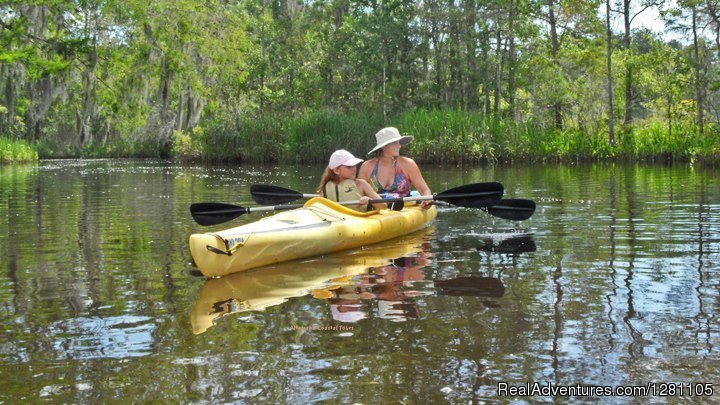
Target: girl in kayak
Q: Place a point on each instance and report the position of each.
(338, 183)
(390, 174)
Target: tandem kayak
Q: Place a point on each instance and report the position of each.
(321, 226)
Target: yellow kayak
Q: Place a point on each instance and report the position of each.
(265, 287)
(319, 227)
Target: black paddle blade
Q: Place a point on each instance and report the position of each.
(476, 195)
(211, 213)
(396, 206)
(266, 194)
(514, 209)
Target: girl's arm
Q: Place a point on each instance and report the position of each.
(367, 191)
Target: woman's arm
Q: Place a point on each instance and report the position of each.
(366, 170)
(412, 170)
(367, 191)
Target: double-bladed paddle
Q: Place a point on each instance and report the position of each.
(485, 196)
(213, 213)
(478, 195)
(474, 195)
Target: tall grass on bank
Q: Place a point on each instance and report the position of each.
(441, 136)
(15, 151)
(460, 137)
(454, 136)
(297, 139)
(141, 148)
(654, 140)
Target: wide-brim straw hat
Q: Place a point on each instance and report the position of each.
(388, 135)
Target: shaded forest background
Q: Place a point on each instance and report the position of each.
(259, 80)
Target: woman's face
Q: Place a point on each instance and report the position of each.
(392, 149)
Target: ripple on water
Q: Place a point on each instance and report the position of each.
(113, 337)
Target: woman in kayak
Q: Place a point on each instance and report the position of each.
(390, 174)
(339, 184)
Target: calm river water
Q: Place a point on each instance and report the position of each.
(614, 281)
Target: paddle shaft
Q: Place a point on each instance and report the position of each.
(268, 208)
(217, 213)
(478, 195)
(381, 200)
(470, 195)
(419, 198)
(246, 210)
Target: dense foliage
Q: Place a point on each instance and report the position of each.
(262, 79)
(13, 150)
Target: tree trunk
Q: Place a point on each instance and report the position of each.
(438, 65)
(717, 36)
(557, 107)
(669, 114)
(180, 118)
(164, 89)
(511, 61)
(189, 110)
(611, 121)
(407, 70)
(471, 82)
(195, 107)
(262, 60)
(453, 59)
(11, 80)
(486, 74)
(89, 91)
(166, 124)
(628, 68)
(43, 93)
(384, 106)
(498, 73)
(44, 90)
(699, 91)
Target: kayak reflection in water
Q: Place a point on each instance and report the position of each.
(388, 285)
(350, 283)
(259, 289)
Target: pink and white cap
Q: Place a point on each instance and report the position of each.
(342, 158)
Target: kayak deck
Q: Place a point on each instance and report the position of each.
(320, 226)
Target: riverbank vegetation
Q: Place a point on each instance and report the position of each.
(15, 151)
(264, 80)
(441, 136)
